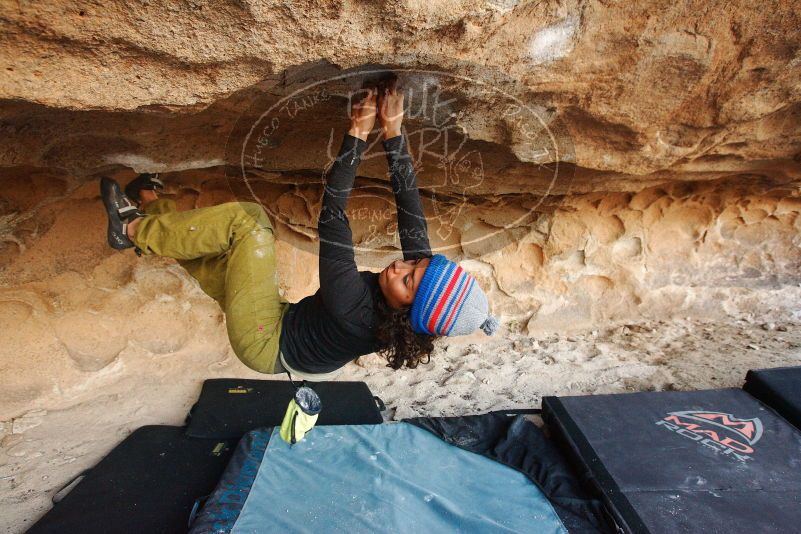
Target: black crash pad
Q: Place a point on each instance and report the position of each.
(148, 484)
(779, 388)
(703, 461)
(229, 407)
(510, 438)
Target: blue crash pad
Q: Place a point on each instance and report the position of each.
(392, 478)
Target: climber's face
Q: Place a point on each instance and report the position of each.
(400, 279)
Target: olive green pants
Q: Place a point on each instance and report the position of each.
(229, 250)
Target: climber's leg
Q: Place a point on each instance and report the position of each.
(239, 232)
(159, 206)
(253, 307)
(186, 235)
(209, 271)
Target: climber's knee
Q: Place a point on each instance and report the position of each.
(255, 212)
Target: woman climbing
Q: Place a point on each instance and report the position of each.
(229, 249)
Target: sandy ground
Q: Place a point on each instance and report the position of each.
(466, 375)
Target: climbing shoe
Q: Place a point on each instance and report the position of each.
(120, 211)
(143, 181)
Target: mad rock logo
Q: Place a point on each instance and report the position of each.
(722, 432)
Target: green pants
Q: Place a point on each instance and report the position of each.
(229, 250)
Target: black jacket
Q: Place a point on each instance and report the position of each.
(326, 330)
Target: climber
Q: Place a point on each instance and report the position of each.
(228, 248)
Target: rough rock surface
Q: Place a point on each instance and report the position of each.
(615, 164)
(689, 85)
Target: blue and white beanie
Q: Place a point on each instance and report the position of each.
(449, 302)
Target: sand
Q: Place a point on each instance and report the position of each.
(467, 375)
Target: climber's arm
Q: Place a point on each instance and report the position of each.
(412, 227)
(341, 287)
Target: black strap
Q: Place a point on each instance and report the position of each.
(195, 508)
(381, 406)
(292, 430)
(294, 385)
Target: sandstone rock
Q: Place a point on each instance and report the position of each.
(160, 325)
(593, 164)
(588, 163)
(30, 420)
(90, 343)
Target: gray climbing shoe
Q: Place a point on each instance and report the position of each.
(143, 181)
(120, 211)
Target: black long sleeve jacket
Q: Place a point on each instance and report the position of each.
(326, 330)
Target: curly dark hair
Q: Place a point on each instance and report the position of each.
(400, 345)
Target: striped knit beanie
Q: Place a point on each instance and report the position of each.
(449, 302)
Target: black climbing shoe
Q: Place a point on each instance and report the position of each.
(143, 181)
(120, 211)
